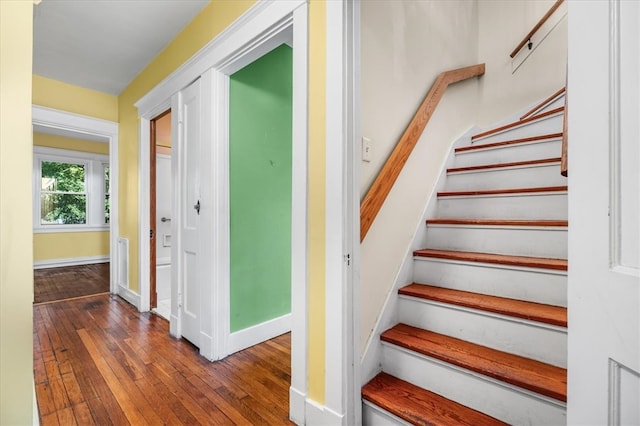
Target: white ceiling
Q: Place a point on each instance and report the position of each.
(104, 44)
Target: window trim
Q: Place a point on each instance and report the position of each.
(94, 187)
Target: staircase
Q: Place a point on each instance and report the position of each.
(482, 335)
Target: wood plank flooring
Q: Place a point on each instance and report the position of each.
(52, 284)
(97, 361)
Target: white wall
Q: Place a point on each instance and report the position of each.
(405, 45)
(502, 24)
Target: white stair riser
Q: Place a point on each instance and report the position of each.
(533, 285)
(550, 206)
(525, 151)
(543, 343)
(555, 103)
(520, 241)
(372, 415)
(521, 177)
(485, 395)
(551, 124)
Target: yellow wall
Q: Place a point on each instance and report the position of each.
(64, 245)
(61, 142)
(16, 256)
(67, 97)
(317, 175)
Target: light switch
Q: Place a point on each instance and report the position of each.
(367, 149)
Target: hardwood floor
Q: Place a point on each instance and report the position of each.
(99, 361)
(68, 282)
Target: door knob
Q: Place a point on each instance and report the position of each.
(197, 207)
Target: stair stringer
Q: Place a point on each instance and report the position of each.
(371, 360)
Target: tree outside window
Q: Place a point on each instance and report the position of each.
(63, 193)
(107, 193)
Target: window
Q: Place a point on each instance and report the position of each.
(71, 191)
(63, 194)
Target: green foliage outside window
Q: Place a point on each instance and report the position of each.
(107, 202)
(63, 193)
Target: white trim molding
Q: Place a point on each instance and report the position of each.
(70, 261)
(259, 333)
(342, 360)
(89, 128)
(129, 295)
(299, 217)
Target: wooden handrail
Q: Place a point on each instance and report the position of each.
(564, 159)
(382, 185)
(536, 27)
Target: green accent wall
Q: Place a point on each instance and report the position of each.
(260, 189)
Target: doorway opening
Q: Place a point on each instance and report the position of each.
(160, 208)
(260, 173)
(75, 209)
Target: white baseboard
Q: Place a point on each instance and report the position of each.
(316, 414)
(130, 296)
(297, 401)
(207, 346)
(36, 413)
(259, 333)
(174, 326)
(71, 261)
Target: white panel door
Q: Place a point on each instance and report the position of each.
(604, 213)
(190, 280)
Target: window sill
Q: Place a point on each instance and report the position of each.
(58, 229)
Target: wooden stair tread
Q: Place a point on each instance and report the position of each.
(504, 191)
(517, 123)
(419, 406)
(544, 103)
(498, 222)
(504, 165)
(548, 314)
(508, 142)
(502, 259)
(526, 373)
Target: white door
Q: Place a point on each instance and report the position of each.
(189, 204)
(604, 213)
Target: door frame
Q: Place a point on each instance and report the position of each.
(342, 348)
(64, 122)
(263, 27)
